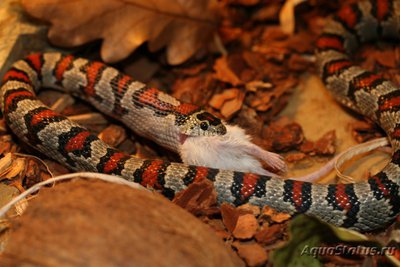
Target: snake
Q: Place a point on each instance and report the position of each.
(363, 206)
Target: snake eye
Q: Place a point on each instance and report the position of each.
(204, 126)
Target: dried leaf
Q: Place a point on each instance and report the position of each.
(284, 137)
(182, 26)
(273, 216)
(363, 131)
(286, 16)
(252, 253)
(5, 163)
(326, 144)
(230, 216)
(36, 172)
(280, 217)
(252, 208)
(21, 206)
(204, 84)
(270, 234)
(199, 198)
(228, 102)
(246, 226)
(253, 86)
(232, 106)
(294, 157)
(218, 100)
(224, 73)
(307, 147)
(17, 167)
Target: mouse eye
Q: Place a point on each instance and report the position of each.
(204, 126)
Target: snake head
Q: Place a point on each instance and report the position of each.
(202, 123)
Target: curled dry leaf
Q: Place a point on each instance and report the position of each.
(228, 102)
(182, 26)
(224, 73)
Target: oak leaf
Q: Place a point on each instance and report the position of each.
(183, 26)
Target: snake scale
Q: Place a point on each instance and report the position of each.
(151, 113)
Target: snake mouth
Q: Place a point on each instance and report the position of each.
(182, 138)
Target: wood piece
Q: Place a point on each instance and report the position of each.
(93, 223)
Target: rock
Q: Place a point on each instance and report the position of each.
(93, 223)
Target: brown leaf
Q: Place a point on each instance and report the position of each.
(307, 147)
(246, 226)
(228, 102)
(36, 172)
(232, 106)
(230, 216)
(252, 253)
(182, 26)
(224, 73)
(199, 198)
(287, 16)
(363, 131)
(273, 216)
(284, 137)
(326, 144)
(252, 208)
(218, 100)
(280, 217)
(270, 234)
(294, 157)
(183, 89)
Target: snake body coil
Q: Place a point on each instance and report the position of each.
(363, 206)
